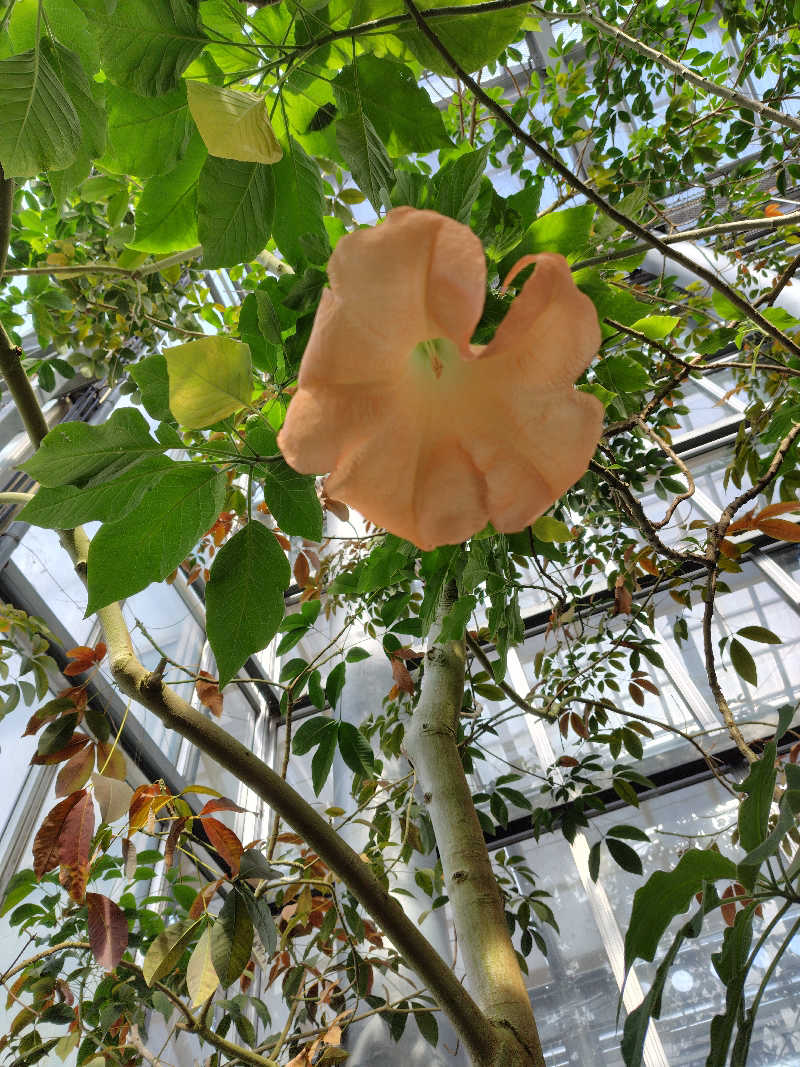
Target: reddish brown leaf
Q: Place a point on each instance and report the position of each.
(623, 599)
(175, 831)
(567, 761)
(209, 694)
(73, 847)
(45, 844)
(400, 673)
(779, 529)
(728, 909)
(301, 570)
(218, 804)
(108, 930)
(339, 509)
(225, 842)
(75, 745)
(81, 652)
(141, 806)
(784, 507)
(578, 725)
(75, 772)
(744, 523)
(111, 760)
(636, 694)
(200, 902)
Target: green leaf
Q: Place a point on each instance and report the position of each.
(624, 856)
(565, 231)
(759, 787)
(622, 374)
(309, 733)
(65, 22)
(455, 622)
(594, 860)
(428, 1027)
(146, 45)
(261, 917)
(472, 40)
(787, 814)
(201, 977)
(236, 204)
(39, 126)
(168, 948)
(231, 939)
(731, 966)
(551, 530)
(322, 759)
(458, 182)
(355, 750)
(147, 135)
(244, 597)
(75, 453)
(156, 536)
(656, 327)
(633, 833)
(366, 158)
(666, 894)
(152, 378)
(166, 215)
(403, 114)
(635, 1031)
(334, 684)
(234, 124)
(355, 655)
(300, 203)
(67, 506)
(743, 662)
(20, 885)
(759, 633)
(91, 114)
(292, 499)
(209, 379)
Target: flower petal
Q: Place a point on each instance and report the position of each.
(417, 276)
(551, 327)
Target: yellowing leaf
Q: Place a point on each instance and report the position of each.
(233, 124)
(209, 379)
(113, 797)
(201, 978)
(167, 949)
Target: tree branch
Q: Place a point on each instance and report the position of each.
(475, 900)
(702, 232)
(509, 691)
(595, 198)
(151, 692)
(684, 72)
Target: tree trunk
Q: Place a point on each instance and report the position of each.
(493, 973)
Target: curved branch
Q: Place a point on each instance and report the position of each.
(595, 198)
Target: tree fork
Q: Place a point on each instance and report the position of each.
(475, 900)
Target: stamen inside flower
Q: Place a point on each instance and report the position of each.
(435, 355)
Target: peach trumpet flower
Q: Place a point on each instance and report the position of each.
(425, 434)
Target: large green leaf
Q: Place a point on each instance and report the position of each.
(166, 215)
(666, 894)
(403, 114)
(66, 506)
(66, 22)
(731, 966)
(366, 157)
(152, 377)
(82, 93)
(300, 203)
(458, 182)
(261, 917)
(154, 538)
(472, 40)
(291, 497)
(231, 939)
(39, 126)
(635, 1031)
(147, 44)
(209, 379)
(236, 203)
(168, 948)
(147, 135)
(75, 453)
(759, 787)
(244, 597)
